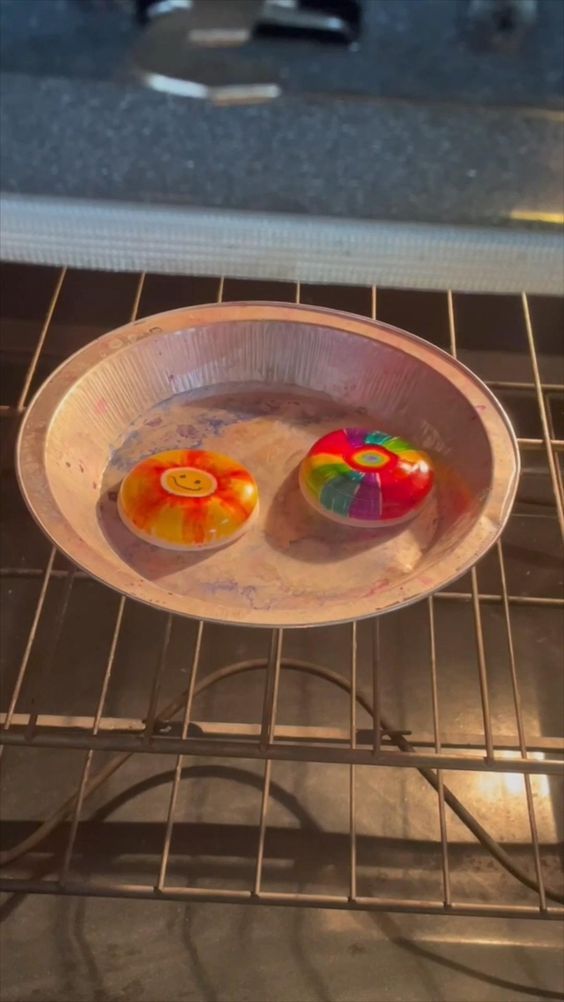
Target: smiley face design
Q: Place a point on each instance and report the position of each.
(187, 481)
(188, 499)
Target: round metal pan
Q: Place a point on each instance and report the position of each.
(261, 382)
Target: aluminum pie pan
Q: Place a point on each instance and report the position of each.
(261, 382)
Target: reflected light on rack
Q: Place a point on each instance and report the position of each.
(496, 785)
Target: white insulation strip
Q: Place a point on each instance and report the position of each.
(181, 240)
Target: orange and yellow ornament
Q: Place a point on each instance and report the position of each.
(188, 499)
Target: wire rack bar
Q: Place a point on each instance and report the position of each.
(47, 663)
(556, 484)
(23, 397)
(267, 736)
(90, 753)
(377, 735)
(271, 688)
(262, 826)
(157, 678)
(479, 633)
(179, 762)
(30, 640)
(299, 900)
(283, 733)
(509, 384)
(438, 749)
(521, 733)
(352, 773)
(292, 752)
(485, 597)
(559, 467)
(482, 669)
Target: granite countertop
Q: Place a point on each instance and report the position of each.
(337, 157)
(409, 127)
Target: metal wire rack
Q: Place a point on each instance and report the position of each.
(475, 664)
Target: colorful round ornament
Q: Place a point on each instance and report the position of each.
(188, 499)
(365, 478)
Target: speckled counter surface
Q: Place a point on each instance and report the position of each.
(411, 127)
(335, 157)
(411, 124)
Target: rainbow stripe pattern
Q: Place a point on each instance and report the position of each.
(188, 499)
(366, 478)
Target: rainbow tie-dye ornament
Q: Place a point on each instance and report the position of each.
(366, 478)
(188, 500)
